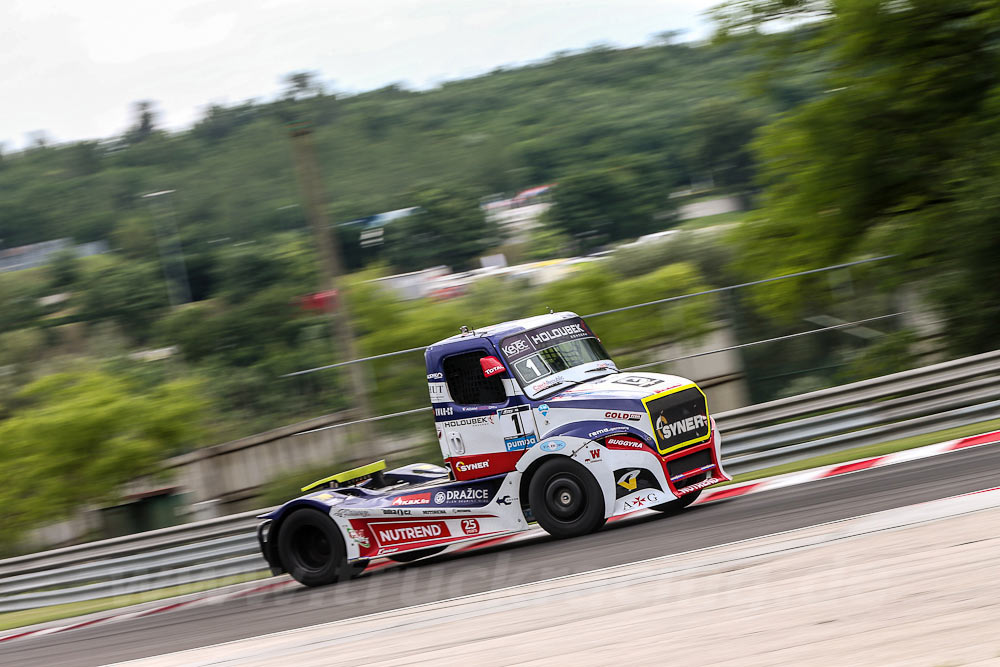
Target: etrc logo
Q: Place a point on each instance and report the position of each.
(552, 445)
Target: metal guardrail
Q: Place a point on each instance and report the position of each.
(913, 402)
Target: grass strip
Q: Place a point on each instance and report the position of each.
(17, 619)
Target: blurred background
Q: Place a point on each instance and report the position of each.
(162, 286)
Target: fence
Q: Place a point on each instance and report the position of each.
(755, 437)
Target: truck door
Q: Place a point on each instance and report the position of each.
(488, 429)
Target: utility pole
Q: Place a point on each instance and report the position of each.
(178, 288)
(307, 171)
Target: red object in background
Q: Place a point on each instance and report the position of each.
(324, 302)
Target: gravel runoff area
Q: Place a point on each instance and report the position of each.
(916, 585)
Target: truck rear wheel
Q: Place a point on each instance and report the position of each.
(312, 549)
(565, 498)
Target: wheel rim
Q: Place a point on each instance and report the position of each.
(311, 548)
(565, 497)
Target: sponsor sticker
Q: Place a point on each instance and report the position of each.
(478, 465)
(552, 445)
(520, 443)
(595, 455)
(630, 480)
(670, 429)
(700, 485)
(444, 412)
(413, 499)
(470, 526)
(411, 531)
(624, 416)
(643, 500)
(435, 376)
(462, 496)
(399, 512)
(624, 441)
(469, 421)
(544, 409)
(607, 429)
(514, 346)
(359, 537)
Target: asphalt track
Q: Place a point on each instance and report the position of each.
(446, 577)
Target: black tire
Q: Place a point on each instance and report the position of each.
(677, 504)
(312, 549)
(410, 556)
(565, 498)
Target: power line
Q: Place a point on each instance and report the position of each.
(616, 310)
(843, 325)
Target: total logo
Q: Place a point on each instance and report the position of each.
(626, 416)
(414, 499)
(670, 429)
(478, 465)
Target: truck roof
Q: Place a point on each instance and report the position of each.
(496, 332)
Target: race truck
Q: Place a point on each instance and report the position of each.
(536, 424)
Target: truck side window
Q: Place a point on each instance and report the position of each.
(466, 383)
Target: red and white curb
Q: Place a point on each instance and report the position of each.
(708, 496)
(837, 469)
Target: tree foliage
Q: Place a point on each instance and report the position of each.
(74, 437)
(899, 156)
(447, 228)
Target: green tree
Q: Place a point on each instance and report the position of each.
(598, 206)
(448, 228)
(132, 294)
(899, 156)
(76, 436)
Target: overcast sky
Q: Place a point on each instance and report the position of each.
(73, 68)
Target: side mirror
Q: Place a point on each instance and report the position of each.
(491, 366)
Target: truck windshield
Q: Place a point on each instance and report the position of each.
(547, 357)
(558, 358)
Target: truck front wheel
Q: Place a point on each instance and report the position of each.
(312, 549)
(565, 498)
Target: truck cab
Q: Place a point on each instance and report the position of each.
(501, 391)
